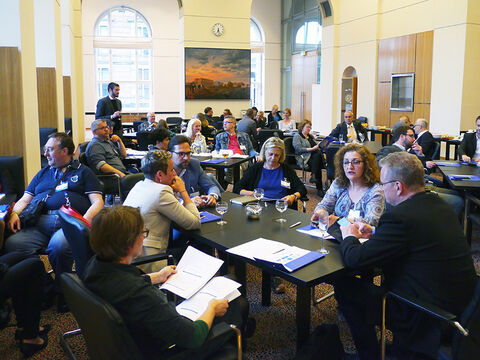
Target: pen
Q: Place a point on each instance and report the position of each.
(293, 225)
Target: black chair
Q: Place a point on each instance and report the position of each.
(44, 134)
(144, 139)
(471, 215)
(110, 181)
(12, 178)
(136, 124)
(465, 342)
(436, 152)
(330, 152)
(273, 125)
(219, 125)
(128, 182)
(291, 160)
(83, 146)
(265, 134)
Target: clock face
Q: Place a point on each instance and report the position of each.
(218, 29)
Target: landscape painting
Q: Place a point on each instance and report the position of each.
(217, 73)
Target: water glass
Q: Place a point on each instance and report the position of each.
(323, 225)
(258, 194)
(281, 206)
(221, 208)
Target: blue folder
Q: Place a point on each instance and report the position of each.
(212, 161)
(206, 217)
(464, 177)
(297, 263)
(446, 163)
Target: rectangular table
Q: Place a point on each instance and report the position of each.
(221, 166)
(460, 170)
(239, 229)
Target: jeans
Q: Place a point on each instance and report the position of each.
(48, 235)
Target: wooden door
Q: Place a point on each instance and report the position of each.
(304, 74)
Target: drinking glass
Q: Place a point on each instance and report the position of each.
(323, 225)
(222, 208)
(258, 194)
(281, 206)
(225, 156)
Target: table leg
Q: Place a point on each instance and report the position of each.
(303, 314)
(384, 139)
(236, 174)
(266, 288)
(456, 153)
(447, 151)
(240, 274)
(221, 177)
(372, 135)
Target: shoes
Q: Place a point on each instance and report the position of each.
(29, 350)
(62, 306)
(278, 287)
(313, 179)
(19, 333)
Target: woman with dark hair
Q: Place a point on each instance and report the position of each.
(308, 154)
(356, 188)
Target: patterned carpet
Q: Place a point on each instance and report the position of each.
(274, 338)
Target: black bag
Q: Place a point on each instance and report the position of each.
(323, 344)
(31, 214)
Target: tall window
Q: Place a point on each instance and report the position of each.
(123, 54)
(257, 45)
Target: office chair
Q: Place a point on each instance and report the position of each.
(290, 159)
(144, 139)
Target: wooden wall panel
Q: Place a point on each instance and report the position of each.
(67, 96)
(385, 59)
(383, 104)
(11, 103)
(421, 111)
(47, 97)
(404, 54)
(423, 67)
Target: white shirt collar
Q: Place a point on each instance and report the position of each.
(400, 146)
(423, 132)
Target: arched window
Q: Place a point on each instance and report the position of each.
(308, 36)
(123, 54)
(257, 45)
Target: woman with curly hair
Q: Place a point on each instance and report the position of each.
(356, 191)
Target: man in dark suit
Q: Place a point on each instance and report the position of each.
(424, 138)
(420, 246)
(110, 108)
(469, 148)
(350, 130)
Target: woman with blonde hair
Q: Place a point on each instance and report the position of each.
(287, 124)
(274, 115)
(194, 134)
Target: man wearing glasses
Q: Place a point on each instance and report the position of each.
(424, 138)
(79, 188)
(349, 130)
(202, 188)
(420, 246)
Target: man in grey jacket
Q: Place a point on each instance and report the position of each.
(249, 126)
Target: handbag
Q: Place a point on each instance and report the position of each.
(37, 207)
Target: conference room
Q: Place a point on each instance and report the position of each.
(272, 114)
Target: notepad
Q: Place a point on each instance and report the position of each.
(212, 161)
(464, 177)
(243, 200)
(206, 217)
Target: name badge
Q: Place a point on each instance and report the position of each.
(285, 184)
(243, 147)
(354, 214)
(62, 186)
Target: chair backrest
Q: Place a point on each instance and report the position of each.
(273, 125)
(14, 165)
(144, 139)
(290, 152)
(330, 152)
(265, 134)
(175, 120)
(78, 236)
(104, 331)
(83, 146)
(83, 158)
(436, 152)
(468, 347)
(128, 182)
(219, 125)
(44, 133)
(136, 124)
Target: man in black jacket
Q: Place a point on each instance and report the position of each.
(110, 108)
(350, 130)
(469, 149)
(420, 246)
(424, 138)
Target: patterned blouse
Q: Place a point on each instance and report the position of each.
(371, 205)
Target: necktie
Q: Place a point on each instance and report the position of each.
(351, 133)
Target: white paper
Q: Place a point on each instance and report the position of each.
(132, 152)
(239, 156)
(283, 256)
(202, 154)
(218, 288)
(256, 248)
(193, 272)
(316, 233)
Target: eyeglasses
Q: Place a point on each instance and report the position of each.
(102, 128)
(145, 233)
(411, 135)
(354, 162)
(183, 154)
(48, 149)
(388, 182)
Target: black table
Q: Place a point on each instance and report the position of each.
(221, 166)
(462, 170)
(239, 230)
(386, 135)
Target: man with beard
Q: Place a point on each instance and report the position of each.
(109, 108)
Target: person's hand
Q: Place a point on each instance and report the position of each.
(365, 230)
(13, 223)
(466, 158)
(219, 306)
(116, 114)
(178, 185)
(320, 213)
(209, 200)
(198, 201)
(331, 219)
(417, 149)
(257, 158)
(166, 272)
(154, 124)
(350, 230)
(289, 199)
(115, 138)
(430, 164)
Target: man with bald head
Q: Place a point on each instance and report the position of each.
(350, 130)
(150, 124)
(424, 139)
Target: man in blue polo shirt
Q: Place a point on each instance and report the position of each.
(79, 187)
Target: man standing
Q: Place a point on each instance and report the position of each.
(249, 126)
(208, 111)
(349, 130)
(110, 108)
(78, 186)
(424, 138)
(469, 148)
(201, 187)
(150, 124)
(420, 246)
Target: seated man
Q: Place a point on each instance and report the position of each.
(208, 111)
(201, 187)
(424, 138)
(402, 120)
(148, 125)
(161, 138)
(469, 148)
(349, 130)
(79, 188)
(238, 142)
(155, 199)
(420, 246)
(249, 126)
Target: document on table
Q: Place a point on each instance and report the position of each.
(193, 272)
(314, 231)
(218, 288)
(2, 196)
(256, 247)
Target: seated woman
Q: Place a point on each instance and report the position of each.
(260, 119)
(356, 192)
(21, 278)
(162, 124)
(274, 115)
(193, 132)
(287, 124)
(117, 237)
(276, 178)
(208, 131)
(309, 155)
(161, 138)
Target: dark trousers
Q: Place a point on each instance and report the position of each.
(23, 283)
(317, 163)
